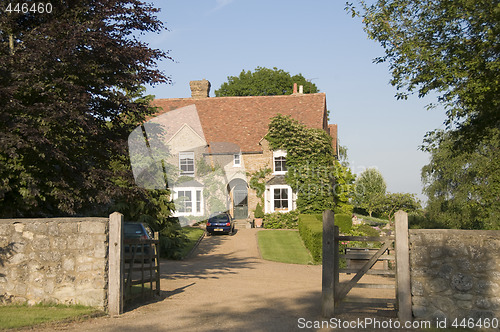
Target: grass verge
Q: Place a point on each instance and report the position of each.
(283, 246)
(193, 235)
(16, 316)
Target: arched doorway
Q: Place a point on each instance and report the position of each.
(238, 192)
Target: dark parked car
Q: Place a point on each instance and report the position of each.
(137, 231)
(220, 222)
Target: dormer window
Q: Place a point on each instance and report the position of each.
(186, 163)
(279, 162)
(237, 160)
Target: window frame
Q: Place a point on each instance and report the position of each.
(271, 198)
(190, 201)
(187, 155)
(282, 155)
(237, 157)
(196, 202)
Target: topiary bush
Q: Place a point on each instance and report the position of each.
(258, 213)
(279, 220)
(311, 232)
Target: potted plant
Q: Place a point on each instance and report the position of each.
(258, 215)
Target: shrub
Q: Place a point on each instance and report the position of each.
(416, 221)
(259, 213)
(172, 241)
(367, 230)
(343, 209)
(344, 221)
(361, 230)
(278, 220)
(311, 232)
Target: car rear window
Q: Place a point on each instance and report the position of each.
(133, 230)
(219, 218)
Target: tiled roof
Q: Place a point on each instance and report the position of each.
(278, 179)
(244, 120)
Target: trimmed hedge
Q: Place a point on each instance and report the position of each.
(344, 221)
(311, 232)
(279, 220)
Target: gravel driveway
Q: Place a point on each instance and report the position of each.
(226, 286)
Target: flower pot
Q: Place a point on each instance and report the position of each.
(258, 222)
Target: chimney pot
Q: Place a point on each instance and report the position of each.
(200, 89)
(301, 89)
(294, 88)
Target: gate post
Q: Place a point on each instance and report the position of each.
(328, 278)
(116, 267)
(403, 295)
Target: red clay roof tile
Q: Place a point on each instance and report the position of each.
(245, 120)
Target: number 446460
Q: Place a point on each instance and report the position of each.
(471, 323)
(37, 8)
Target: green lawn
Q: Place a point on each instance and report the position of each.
(193, 235)
(16, 316)
(283, 246)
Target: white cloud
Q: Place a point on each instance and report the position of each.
(219, 4)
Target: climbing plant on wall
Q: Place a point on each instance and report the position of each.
(257, 181)
(312, 168)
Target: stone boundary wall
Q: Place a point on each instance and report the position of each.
(61, 260)
(455, 274)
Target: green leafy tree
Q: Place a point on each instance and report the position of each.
(68, 100)
(394, 202)
(369, 192)
(263, 82)
(344, 188)
(451, 48)
(463, 187)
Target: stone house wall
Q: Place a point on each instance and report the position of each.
(455, 274)
(61, 260)
(254, 162)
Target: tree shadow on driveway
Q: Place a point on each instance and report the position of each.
(208, 261)
(254, 314)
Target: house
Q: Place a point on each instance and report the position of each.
(229, 132)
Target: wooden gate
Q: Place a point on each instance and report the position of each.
(142, 268)
(366, 259)
(134, 266)
(334, 291)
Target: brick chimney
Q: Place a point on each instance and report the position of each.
(199, 89)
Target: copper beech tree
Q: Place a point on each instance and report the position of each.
(70, 93)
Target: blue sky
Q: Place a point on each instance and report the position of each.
(214, 39)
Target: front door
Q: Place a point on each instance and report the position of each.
(240, 203)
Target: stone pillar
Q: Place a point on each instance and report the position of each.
(116, 264)
(403, 292)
